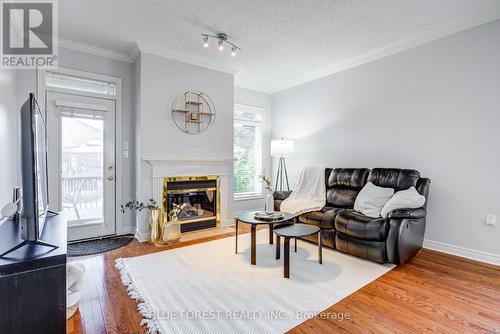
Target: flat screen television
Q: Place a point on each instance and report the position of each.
(34, 169)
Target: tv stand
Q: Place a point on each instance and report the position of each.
(33, 279)
(27, 242)
(51, 213)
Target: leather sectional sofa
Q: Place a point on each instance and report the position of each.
(394, 239)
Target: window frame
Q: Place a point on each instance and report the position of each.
(243, 196)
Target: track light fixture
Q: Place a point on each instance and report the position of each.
(221, 39)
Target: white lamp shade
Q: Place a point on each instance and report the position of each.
(282, 147)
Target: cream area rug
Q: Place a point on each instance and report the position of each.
(207, 288)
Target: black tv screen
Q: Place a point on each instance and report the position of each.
(34, 169)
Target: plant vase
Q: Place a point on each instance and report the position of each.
(269, 205)
(171, 231)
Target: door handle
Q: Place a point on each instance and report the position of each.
(110, 178)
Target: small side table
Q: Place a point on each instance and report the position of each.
(249, 218)
(296, 231)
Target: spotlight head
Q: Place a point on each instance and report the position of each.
(205, 41)
(233, 51)
(221, 47)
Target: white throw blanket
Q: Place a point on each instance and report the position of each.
(310, 193)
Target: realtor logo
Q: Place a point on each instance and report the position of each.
(29, 33)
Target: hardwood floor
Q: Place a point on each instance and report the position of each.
(434, 292)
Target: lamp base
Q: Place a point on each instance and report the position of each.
(281, 176)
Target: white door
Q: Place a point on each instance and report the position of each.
(82, 162)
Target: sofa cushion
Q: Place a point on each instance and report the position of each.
(343, 186)
(371, 199)
(398, 179)
(404, 199)
(357, 225)
(324, 218)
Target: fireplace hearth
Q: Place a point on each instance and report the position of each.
(201, 197)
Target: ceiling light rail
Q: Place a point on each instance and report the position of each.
(222, 38)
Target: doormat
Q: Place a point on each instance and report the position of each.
(91, 247)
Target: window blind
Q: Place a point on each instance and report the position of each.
(247, 150)
(80, 84)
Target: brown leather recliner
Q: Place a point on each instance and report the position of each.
(395, 239)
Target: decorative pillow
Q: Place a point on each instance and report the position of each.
(404, 199)
(371, 199)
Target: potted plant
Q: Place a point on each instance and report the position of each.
(154, 218)
(269, 203)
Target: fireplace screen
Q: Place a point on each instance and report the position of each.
(200, 195)
(199, 203)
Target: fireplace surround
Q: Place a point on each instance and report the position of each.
(154, 169)
(201, 196)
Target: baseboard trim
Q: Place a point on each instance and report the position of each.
(141, 237)
(126, 230)
(463, 252)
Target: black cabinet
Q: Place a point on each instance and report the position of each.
(33, 281)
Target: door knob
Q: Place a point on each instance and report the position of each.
(110, 178)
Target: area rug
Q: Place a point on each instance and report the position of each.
(207, 288)
(91, 247)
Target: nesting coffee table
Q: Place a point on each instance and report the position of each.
(296, 231)
(249, 218)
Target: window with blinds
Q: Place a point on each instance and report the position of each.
(247, 150)
(72, 82)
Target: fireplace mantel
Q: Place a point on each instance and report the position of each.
(162, 167)
(188, 159)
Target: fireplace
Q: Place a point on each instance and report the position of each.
(202, 197)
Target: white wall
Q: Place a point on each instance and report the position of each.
(262, 100)
(161, 81)
(434, 108)
(26, 83)
(9, 136)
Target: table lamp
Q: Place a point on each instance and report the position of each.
(281, 148)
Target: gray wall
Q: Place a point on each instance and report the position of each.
(26, 82)
(161, 81)
(14, 88)
(434, 108)
(253, 98)
(9, 136)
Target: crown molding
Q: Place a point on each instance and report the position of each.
(388, 51)
(164, 52)
(94, 50)
(135, 53)
(253, 89)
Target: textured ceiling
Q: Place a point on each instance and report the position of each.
(282, 41)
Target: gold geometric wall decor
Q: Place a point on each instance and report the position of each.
(193, 112)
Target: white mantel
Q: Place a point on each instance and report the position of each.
(154, 169)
